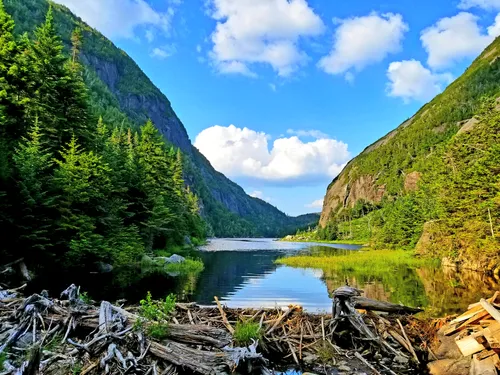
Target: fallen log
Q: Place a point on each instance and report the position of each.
(364, 303)
(198, 361)
(199, 335)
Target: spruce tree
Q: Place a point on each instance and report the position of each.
(60, 101)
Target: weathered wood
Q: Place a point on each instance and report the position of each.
(374, 305)
(495, 314)
(478, 304)
(197, 361)
(469, 345)
(199, 335)
(223, 315)
(492, 335)
(466, 324)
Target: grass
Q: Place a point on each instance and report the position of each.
(370, 262)
(244, 332)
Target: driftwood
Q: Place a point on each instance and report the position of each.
(106, 339)
(374, 305)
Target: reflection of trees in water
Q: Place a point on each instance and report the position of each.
(225, 271)
(403, 285)
(451, 291)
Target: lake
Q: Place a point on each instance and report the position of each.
(243, 273)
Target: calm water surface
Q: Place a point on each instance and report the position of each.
(243, 273)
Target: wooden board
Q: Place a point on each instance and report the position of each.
(490, 300)
(464, 325)
(492, 335)
(468, 345)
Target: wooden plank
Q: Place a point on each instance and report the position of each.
(466, 324)
(492, 335)
(468, 345)
(495, 314)
(490, 300)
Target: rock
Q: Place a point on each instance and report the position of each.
(344, 368)
(450, 366)
(446, 347)
(146, 259)
(187, 241)
(176, 259)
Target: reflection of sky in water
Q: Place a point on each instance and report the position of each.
(285, 286)
(245, 244)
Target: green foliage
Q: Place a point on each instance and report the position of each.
(155, 315)
(189, 266)
(76, 189)
(454, 209)
(245, 332)
(85, 298)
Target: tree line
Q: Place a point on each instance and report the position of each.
(75, 190)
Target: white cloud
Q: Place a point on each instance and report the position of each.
(259, 194)
(272, 86)
(235, 67)
(484, 4)
(307, 133)
(119, 18)
(242, 152)
(198, 48)
(410, 80)
(163, 52)
(316, 204)
(494, 30)
(261, 31)
(361, 41)
(454, 38)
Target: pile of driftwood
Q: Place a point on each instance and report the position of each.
(477, 333)
(39, 335)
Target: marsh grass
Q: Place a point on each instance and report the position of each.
(370, 262)
(244, 332)
(189, 266)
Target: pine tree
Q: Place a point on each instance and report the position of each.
(60, 102)
(33, 164)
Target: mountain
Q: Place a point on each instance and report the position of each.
(432, 183)
(120, 90)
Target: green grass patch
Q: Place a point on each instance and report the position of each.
(370, 262)
(244, 332)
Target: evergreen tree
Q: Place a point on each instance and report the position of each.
(60, 101)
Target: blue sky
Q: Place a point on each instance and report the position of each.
(280, 94)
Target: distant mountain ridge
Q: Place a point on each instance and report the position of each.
(119, 89)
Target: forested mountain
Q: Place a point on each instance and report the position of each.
(121, 93)
(434, 182)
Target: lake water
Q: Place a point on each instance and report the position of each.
(243, 273)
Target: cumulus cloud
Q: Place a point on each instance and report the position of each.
(261, 31)
(410, 80)
(361, 41)
(315, 204)
(484, 4)
(454, 38)
(242, 152)
(120, 18)
(163, 52)
(307, 133)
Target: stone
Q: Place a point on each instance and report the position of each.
(344, 368)
(176, 259)
(310, 358)
(187, 241)
(450, 366)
